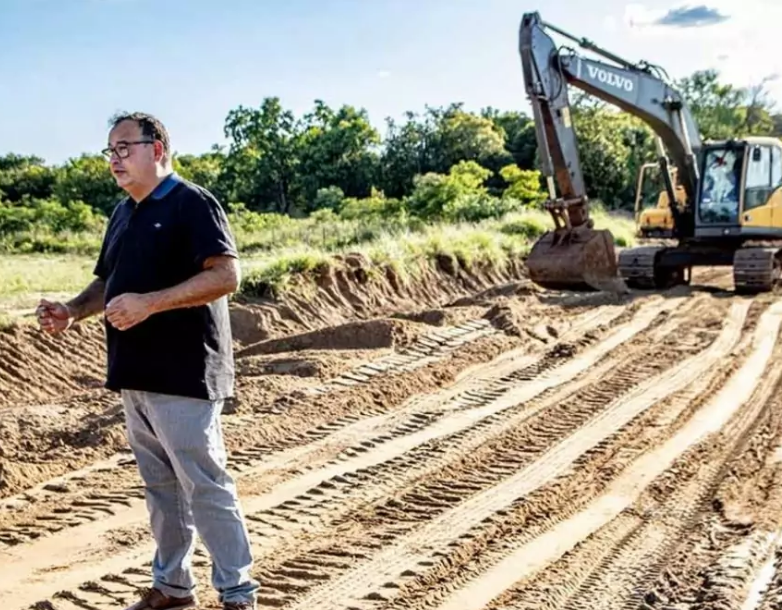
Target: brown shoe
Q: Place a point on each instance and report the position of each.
(154, 599)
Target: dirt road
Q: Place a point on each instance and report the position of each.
(516, 449)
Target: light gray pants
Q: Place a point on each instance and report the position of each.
(181, 457)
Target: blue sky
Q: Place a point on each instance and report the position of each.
(67, 65)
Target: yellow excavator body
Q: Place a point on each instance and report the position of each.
(656, 220)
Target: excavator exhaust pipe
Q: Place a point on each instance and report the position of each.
(577, 259)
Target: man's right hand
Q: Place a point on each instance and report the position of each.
(55, 317)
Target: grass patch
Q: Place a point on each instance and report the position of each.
(24, 278)
(621, 227)
(270, 276)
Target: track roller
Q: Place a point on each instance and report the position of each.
(756, 270)
(639, 267)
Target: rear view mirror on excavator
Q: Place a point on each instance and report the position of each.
(573, 255)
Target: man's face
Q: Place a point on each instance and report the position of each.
(139, 166)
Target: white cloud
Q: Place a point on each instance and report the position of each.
(692, 16)
(743, 47)
(383, 74)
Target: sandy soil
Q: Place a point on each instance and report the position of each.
(482, 445)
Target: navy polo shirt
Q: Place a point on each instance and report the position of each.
(156, 244)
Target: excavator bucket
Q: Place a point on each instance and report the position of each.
(575, 259)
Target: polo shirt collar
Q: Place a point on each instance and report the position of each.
(164, 188)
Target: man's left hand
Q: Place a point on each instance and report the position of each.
(127, 310)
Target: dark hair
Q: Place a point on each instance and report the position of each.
(151, 127)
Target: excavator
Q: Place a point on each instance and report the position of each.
(653, 216)
(730, 191)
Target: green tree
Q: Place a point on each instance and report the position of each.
(523, 185)
(758, 119)
(263, 160)
(88, 179)
(337, 148)
(465, 136)
(329, 198)
(612, 146)
(409, 150)
(725, 111)
(25, 176)
(433, 192)
(519, 132)
(206, 169)
(435, 142)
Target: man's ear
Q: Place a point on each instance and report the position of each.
(159, 152)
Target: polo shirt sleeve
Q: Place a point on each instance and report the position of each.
(101, 269)
(208, 228)
(100, 265)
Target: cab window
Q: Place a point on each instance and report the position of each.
(776, 167)
(759, 177)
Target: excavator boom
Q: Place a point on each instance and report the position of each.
(574, 255)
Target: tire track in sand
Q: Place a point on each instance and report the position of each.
(710, 419)
(417, 546)
(725, 558)
(468, 426)
(534, 514)
(36, 558)
(62, 502)
(633, 549)
(766, 590)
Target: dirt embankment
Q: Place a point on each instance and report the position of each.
(55, 416)
(355, 289)
(36, 368)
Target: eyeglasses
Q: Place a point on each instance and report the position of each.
(123, 149)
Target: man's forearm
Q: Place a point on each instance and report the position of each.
(89, 302)
(207, 286)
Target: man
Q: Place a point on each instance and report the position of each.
(167, 263)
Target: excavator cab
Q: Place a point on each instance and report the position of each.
(653, 214)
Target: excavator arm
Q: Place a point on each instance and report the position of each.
(574, 255)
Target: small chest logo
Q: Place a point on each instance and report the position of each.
(157, 225)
